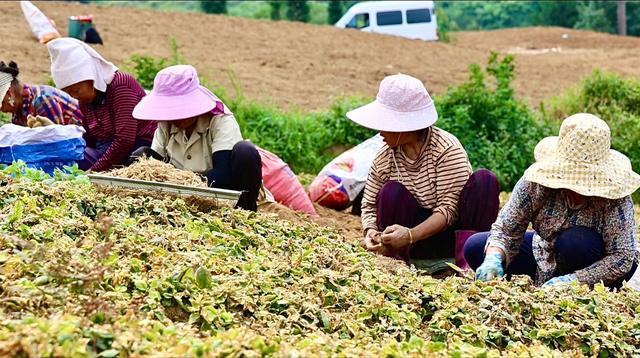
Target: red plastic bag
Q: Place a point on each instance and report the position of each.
(283, 183)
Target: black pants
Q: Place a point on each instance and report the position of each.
(246, 174)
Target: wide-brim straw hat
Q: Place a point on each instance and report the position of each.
(402, 105)
(581, 159)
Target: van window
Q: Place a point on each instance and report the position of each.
(359, 21)
(418, 16)
(387, 18)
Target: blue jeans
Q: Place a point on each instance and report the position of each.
(575, 248)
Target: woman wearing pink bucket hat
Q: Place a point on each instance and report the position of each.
(577, 197)
(197, 132)
(421, 200)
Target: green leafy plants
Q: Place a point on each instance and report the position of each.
(168, 280)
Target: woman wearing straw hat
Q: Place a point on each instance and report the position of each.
(420, 196)
(107, 97)
(577, 196)
(32, 105)
(197, 132)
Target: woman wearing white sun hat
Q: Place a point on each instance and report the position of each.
(421, 199)
(578, 197)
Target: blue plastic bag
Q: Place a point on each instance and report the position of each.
(45, 156)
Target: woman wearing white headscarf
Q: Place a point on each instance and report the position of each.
(107, 98)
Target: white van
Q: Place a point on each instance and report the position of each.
(412, 19)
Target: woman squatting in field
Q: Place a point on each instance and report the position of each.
(577, 196)
(197, 132)
(421, 199)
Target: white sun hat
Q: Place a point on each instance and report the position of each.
(73, 61)
(402, 105)
(5, 84)
(581, 159)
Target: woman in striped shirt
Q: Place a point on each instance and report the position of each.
(23, 100)
(421, 196)
(107, 97)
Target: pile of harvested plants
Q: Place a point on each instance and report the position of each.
(154, 170)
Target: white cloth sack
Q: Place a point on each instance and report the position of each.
(11, 134)
(349, 171)
(42, 28)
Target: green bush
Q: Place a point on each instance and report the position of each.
(144, 68)
(614, 99)
(306, 141)
(444, 25)
(498, 131)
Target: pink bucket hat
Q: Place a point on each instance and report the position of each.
(177, 94)
(402, 105)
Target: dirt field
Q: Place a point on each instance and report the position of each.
(304, 66)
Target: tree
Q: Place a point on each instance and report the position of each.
(593, 17)
(276, 10)
(335, 11)
(214, 6)
(622, 18)
(298, 10)
(558, 13)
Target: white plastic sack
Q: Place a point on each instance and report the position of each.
(340, 181)
(41, 26)
(11, 134)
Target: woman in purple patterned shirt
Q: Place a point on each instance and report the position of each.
(577, 197)
(107, 97)
(22, 100)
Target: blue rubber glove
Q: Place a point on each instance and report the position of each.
(491, 267)
(560, 280)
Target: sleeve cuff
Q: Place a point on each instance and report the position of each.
(449, 218)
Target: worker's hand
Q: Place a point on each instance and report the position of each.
(38, 121)
(560, 280)
(396, 236)
(491, 267)
(372, 241)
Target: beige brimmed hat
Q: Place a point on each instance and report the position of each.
(581, 159)
(402, 105)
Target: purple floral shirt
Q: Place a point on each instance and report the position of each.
(549, 215)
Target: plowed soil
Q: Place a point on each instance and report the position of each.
(294, 65)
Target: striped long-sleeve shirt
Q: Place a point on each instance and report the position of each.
(435, 178)
(110, 119)
(48, 102)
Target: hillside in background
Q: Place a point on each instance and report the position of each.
(306, 66)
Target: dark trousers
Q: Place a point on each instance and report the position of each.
(477, 210)
(575, 248)
(93, 154)
(246, 174)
